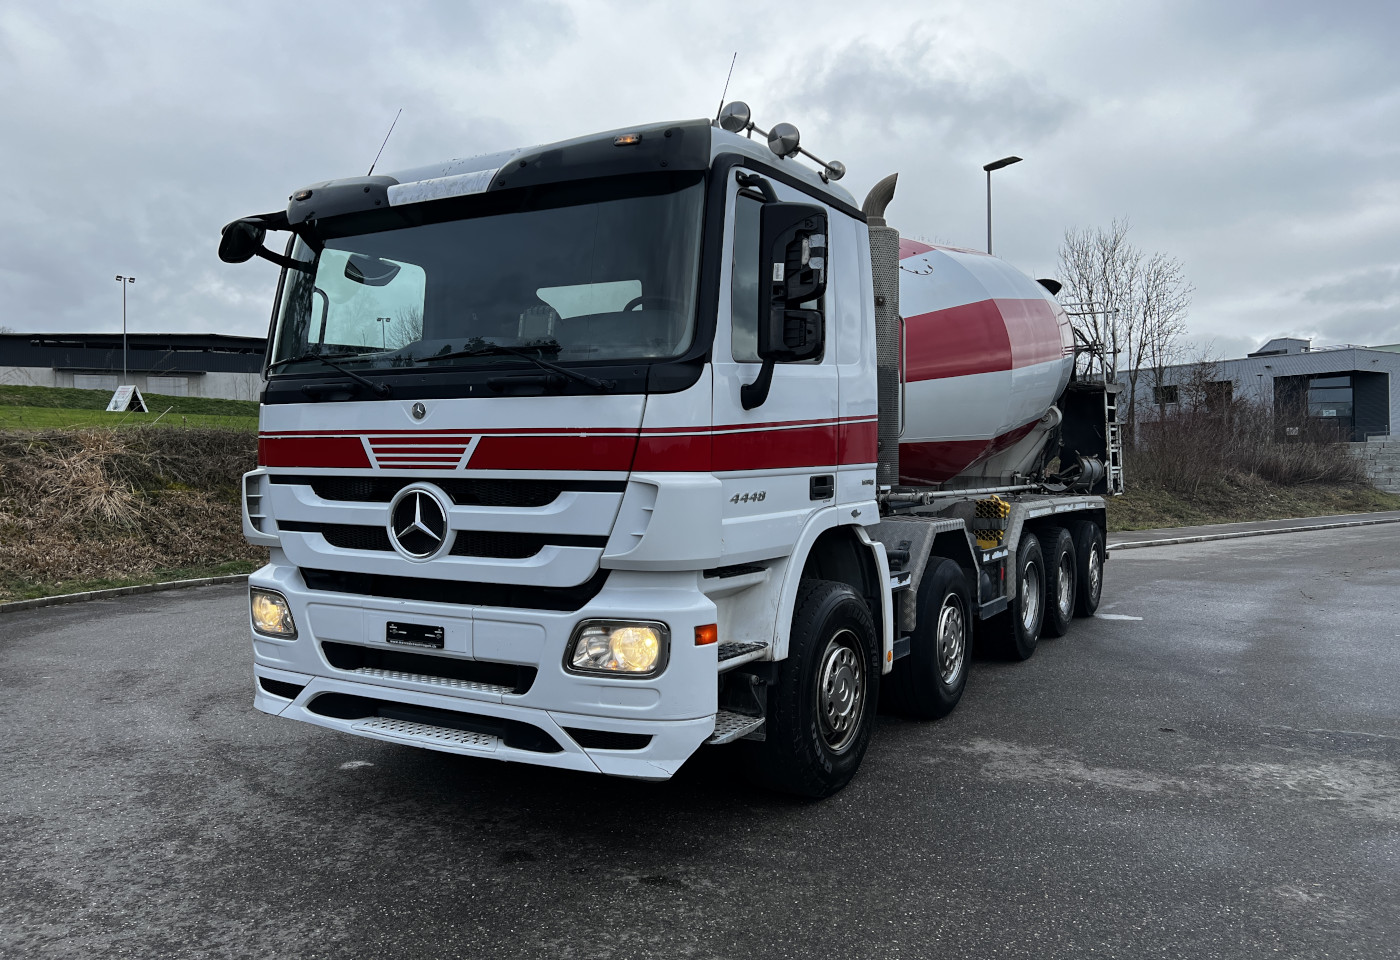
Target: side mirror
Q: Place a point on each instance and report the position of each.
(241, 241)
(792, 272)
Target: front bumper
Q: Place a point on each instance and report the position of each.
(675, 709)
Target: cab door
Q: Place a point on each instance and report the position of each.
(778, 461)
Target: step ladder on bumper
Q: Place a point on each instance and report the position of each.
(731, 726)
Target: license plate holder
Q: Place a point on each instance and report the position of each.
(414, 634)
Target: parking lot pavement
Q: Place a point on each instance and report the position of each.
(1212, 769)
(1249, 528)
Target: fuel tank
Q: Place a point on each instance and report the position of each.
(987, 350)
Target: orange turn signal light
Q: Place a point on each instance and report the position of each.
(707, 634)
(627, 140)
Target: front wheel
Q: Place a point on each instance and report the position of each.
(821, 711)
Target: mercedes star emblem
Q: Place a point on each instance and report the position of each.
(419, 411)
(418, 524)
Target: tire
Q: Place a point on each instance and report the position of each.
(929, 682)
(1089, 559)
(815, 736)
(1061, 581)
(1017, 631)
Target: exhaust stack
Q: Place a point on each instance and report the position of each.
(884, 271)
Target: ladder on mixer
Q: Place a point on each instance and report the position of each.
(1114, 436)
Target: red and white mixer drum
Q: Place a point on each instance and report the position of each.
(987, 352)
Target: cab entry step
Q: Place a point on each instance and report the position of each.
(735, 653)
(731, 726)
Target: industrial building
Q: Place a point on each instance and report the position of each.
(175, 364)
(1351, 390)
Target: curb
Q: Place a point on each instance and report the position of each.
(14, 606)
(1237, 534)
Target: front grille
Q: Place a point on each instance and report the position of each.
(468, 543)
(346, 536)
(485, 493)
(466, 592)
(516, 546)
(608, 739)
(514, 678)
(514, 733)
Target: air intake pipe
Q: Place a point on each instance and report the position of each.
(884, 273)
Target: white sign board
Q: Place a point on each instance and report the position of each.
(127, 398)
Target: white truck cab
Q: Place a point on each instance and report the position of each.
(572, 456)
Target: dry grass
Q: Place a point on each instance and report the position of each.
(102, 504)
(1197, 467)
(1187, 450)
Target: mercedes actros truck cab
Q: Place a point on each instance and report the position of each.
(589, 454)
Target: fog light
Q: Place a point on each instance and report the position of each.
(619, 647)
(271, 615)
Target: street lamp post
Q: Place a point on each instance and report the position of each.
(124, 281)
(383, 331)
(994, 165)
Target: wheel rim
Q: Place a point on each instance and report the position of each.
(1095, 572)
(1066, 586)
(840, 691)
(1030, 597)
(952, 640)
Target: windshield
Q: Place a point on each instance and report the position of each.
(580, 272)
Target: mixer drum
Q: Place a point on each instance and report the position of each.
(987, 352)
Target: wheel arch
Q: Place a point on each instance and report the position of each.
(842, 552)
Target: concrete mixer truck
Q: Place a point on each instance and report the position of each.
(589, 454)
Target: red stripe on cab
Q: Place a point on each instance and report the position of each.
(311, 452)
(857, 442)
(554, 453)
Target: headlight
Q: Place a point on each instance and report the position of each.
(619, 648)
(271, 615)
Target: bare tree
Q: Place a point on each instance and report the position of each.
(407, 328)
(1163, 297)
(1099, 271)
(1134, 305)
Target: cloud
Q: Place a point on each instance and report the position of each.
(1377, 285)
(1258, 142)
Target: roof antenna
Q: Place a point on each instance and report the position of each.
(726, 85)
(386, 140)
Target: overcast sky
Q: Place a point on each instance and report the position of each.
(1257, 142)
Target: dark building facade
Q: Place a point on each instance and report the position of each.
(178, 364)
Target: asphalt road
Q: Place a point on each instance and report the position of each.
(1219, 778)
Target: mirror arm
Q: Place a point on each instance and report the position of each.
(753, 180)
(753, 394)
(282, 260)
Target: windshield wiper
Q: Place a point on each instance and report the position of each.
(379, 389)
(497, 349)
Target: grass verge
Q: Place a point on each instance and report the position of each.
(57, 418)
(1240, 500)
(14, 395)
(23, 590)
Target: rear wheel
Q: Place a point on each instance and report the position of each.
(1061, 574)
(1089, 557)
(821, 711)
(929, 682)
(1018, 629)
